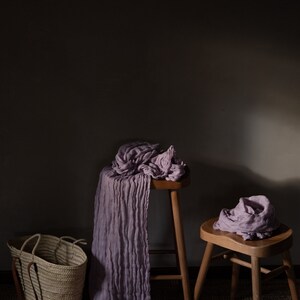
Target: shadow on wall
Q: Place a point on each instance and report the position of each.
(216, 186)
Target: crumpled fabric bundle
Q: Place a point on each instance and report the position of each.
(120, 267)
(252, 218)
(146, 158)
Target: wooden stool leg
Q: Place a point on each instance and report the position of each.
(180, 243)
(290, 274)
(234, 279)
(256, 280)
(203, 270)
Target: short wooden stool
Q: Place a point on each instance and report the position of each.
(173, 188)
(279, 243)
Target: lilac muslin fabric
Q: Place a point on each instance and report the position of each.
(252, 218)
(120, 258)
(146, 158)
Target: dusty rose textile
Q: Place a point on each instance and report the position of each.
(120, 260)
(252, 218)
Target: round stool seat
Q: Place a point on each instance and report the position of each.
(276, 244)
(162, 184)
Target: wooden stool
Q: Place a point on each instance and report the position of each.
(173, 188)
(280, 243)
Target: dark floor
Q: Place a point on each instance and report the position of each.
(220, 289)
(214, 289)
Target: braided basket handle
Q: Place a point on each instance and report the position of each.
(16, 276)
(38, 236)
(75, 241)
(30, 278)
(20, 294)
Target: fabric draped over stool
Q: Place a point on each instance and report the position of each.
(120, 267)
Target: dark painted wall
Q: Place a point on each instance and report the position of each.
(79, 78)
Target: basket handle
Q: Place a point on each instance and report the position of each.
(29, 274)
(38, 236)
(16, 278)
(75, 241)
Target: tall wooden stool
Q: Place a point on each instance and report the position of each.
(279, 243)
(173, 188)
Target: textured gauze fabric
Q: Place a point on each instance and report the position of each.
(120, 267)
(252, 218)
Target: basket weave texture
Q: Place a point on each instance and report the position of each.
(49, 267)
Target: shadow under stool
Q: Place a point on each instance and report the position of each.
(278, 244)
(173, 187)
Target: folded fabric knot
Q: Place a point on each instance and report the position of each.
(252, 218)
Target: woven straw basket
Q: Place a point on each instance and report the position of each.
(48, 267)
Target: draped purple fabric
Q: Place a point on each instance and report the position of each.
(120, 258)
(146, 158)
(252, 218)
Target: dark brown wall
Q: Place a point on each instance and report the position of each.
(79, 78)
